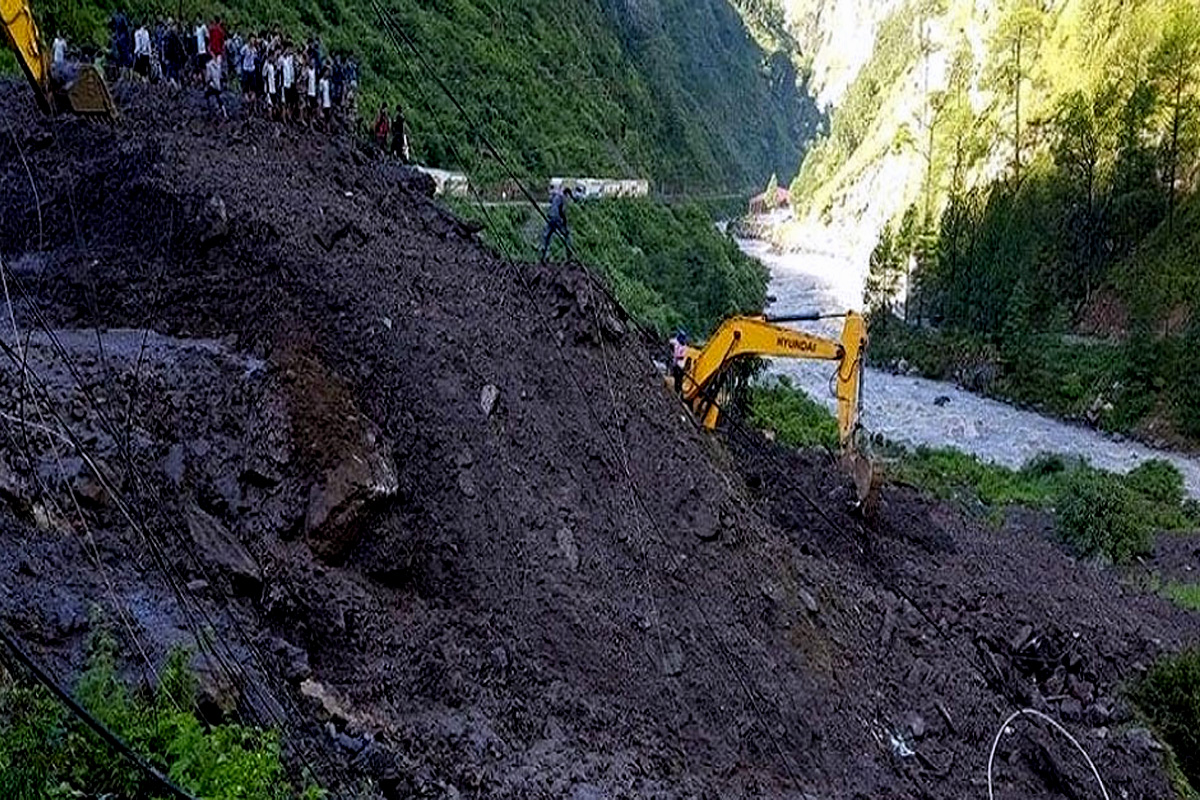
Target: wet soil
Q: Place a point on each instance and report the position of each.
(454, 528)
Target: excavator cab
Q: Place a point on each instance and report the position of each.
(73, 88)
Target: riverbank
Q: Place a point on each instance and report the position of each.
(796, 420)
(920, 412)
(1141, 389)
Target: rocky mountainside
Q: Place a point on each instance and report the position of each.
(838, 38)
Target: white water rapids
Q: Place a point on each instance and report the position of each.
(902, 408)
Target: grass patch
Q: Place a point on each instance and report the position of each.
(949, 473)
(1099, 514)
(1169, 697)
(796, 419)
(1185, 595)
(45, 753)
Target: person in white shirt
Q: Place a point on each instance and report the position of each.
(249, 57)
(310, 80)
(141, 52)
(323, 89)
(269, 85)
(287, 75)
(60, 50)
(212, 85)
(200, 55)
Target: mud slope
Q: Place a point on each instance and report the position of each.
(471, 529)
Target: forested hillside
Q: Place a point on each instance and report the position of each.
(1030, 169)
(675, 90)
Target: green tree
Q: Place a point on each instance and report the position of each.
(1081, 147)
(772, 193)
(1016, 44)
(1175, 70)
(883, 275)
(934, 101)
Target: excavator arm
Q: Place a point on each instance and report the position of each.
(21, 32)
(80, 89)
(740, 337)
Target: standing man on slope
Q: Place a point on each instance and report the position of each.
(400, 136)
(556, 219)
(382, 128)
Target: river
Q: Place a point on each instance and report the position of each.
(902, 408)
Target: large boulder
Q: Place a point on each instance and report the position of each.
(220, 549)
(364, 477)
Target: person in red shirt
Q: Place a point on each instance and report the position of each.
(382, 128)
(216, 39)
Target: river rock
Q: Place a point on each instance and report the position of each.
(586, 791)
(566, 546)
(217, 696)
(807, 600)
(213, 222)
(672, 659)
(487, 399)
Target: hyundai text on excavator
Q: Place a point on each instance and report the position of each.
(76, 88)
(707, 368)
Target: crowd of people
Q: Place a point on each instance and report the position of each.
(276, 77)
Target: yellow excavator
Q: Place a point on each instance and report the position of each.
(75, 88)
(707, 368)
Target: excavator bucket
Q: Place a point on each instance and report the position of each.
(88, 94)
(866, 481)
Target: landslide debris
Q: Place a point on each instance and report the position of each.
(451, 519)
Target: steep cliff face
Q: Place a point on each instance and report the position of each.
(839, 36)
(886, 68)
(751, 113)
(1073, 122)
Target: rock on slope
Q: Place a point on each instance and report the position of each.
(447, 506)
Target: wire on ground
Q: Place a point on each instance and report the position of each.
(124, 750)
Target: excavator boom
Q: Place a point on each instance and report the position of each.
(739, 337)
(80, 88)
(21, 32)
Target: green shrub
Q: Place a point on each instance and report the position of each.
(1185, 595)
(1158, 481)
(1045, 464)
(44, 752)
(1099, 515)
(797, 419)
(1169, 696)
(1191, 512)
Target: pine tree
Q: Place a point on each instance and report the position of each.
(1017, 42)
(1175, 68)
